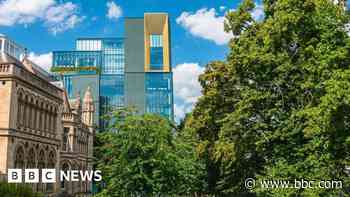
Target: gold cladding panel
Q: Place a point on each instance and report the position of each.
(157, 24)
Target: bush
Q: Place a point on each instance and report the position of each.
(17, 190)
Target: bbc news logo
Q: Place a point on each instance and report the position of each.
(49, 175)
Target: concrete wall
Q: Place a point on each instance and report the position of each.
(134, 45)
(134, 64)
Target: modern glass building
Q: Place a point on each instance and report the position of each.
(11, 48)
(134, 71)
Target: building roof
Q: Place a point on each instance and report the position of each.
(8, 59)
(36, 69)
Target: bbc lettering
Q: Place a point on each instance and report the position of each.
(49, 175)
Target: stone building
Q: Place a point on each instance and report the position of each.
(40, 128)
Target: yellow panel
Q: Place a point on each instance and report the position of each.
(157, 23)
(166, 46)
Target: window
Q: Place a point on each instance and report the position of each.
(159, 94)
(41, 165)
(156, 52)
(51, 164)
(65, 144)
(65, 168)
(88, 45)
(156, 40)
(156, 58)
(76, 59)
(113, 56)
(67, 81)
(31, 159)
(19, 158)
(111, 94)
(86, 61)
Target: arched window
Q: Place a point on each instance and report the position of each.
(19, 158)
(31, 158)
(51, 164)
(64, 183)
(76, 185)
(83, 183)
(41, 165)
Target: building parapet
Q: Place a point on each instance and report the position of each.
(8, 70)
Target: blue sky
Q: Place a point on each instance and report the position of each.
(196, 29)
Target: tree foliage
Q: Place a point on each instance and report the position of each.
(279, 107)
(17, 190)
(141, 156)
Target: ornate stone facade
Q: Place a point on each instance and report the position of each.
(40, 128)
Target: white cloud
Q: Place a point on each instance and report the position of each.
(258, 12)
(42, 60)
(205, 23)
(186, 87)
(114, 11)
(57, 17)
(180, 111)
(62, 17)
(22, 11)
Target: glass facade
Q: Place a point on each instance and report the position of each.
(156, 52)
(101, 59)
(67, 82)
(113, 56)
(11, 48)
(112, 76)
(159, 96)
(88, 44)
(81, 62)
(111, 94)
(115, 68)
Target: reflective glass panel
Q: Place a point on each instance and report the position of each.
(159, 94)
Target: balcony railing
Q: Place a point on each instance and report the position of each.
(76, 61)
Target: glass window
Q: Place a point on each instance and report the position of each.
(65, 144)
(111, 94)
(156, 40)
(156, 52)
(156, 59)
(113, 56)
(88, 45)
(159, 94)
(77, 59)
(67, 81)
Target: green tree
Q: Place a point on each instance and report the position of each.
(17, 190)
(279, 107)
(142, 156)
